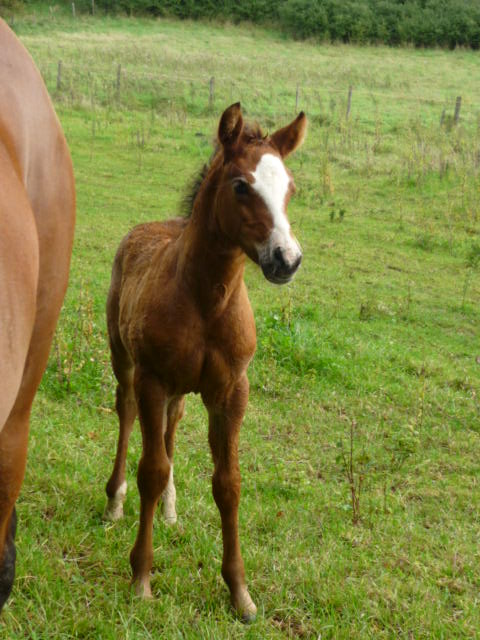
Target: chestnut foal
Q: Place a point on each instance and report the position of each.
(179, 320)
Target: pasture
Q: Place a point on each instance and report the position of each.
(360, 448)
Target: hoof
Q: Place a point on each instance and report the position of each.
(169, 514)
(249, 618)
(114, 509)
(245, 607)
(113, 512)
(142, 588)
(7, 566)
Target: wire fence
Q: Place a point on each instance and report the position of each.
(118, 85)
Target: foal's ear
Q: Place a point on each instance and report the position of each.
(290, 137)
(231, 125)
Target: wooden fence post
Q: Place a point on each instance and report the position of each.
(297, 97)
(59, 75)
(119, 79)
(458, 104)
(211, 97)
(93, 7)
(73, 10)
(349, 102)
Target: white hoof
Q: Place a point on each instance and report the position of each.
(244, 606)
(114, 509)
(142, 588)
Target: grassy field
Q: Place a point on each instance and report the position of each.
(366, 378)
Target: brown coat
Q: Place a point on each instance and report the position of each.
(37, 215)
(180, 321)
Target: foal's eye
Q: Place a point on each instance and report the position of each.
(240, 187)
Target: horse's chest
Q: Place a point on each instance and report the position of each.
(231, 346)
(189, 354)
(174, 350)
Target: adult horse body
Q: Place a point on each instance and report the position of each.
(37, 214)
(180, 321)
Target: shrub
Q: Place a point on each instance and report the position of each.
(424, 23)
(304, 18)
(9, 7)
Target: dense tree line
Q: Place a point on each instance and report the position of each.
(423, 23)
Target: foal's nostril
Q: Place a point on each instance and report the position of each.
(281, 263)
(278, 255)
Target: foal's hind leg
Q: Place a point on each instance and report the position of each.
(153, 473)
(126, 407)
(174, 415)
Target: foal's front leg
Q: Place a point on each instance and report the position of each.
(127, 412)
(225, 419)
(152, 476)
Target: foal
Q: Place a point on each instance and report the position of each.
(179, 320)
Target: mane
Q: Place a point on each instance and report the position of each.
(194, 187)
(252, 134)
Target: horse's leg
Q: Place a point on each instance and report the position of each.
(174, 415)
(153, 473)
(14, 436)
(225, 419)
(13, 454)
(126, 407)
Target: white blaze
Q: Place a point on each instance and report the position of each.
(271, 184)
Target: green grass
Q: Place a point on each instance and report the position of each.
(380, 329)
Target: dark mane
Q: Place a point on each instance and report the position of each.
(252, 134)
(193, 189)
